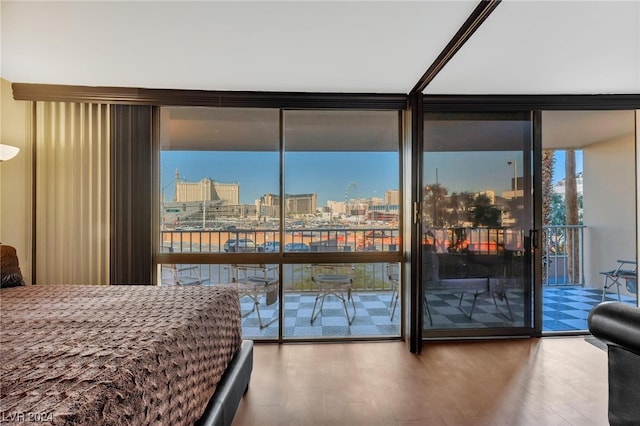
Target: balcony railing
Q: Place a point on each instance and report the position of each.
(561, 264)
(313, 240)
(563, 255)
(295, 277)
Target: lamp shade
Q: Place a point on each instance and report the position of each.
(7, 152)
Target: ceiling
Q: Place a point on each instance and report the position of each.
(578, 129)
(524, 47)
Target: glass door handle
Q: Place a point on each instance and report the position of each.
(533, 238)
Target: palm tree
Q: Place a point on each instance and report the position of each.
(485, 213)
(435, 203)
(459, 204)
(571, 200)
(548, 162)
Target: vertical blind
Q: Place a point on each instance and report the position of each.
(72, 220)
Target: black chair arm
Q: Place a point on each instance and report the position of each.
(617, 323)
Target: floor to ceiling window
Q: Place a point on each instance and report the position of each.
(331, 268)
(217, 168)
(342, 197)
(590, 215)
(476, 223)
(478, 231)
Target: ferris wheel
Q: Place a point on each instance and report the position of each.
(350, 190)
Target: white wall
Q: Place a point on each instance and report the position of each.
(16, 177)
(609, 205)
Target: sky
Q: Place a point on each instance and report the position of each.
(472, 171)
(324, 173)
(334, 176)
(558, 171)
(483, 170)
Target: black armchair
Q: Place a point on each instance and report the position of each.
(619, 325)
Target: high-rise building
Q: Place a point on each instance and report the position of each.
(295, 204)
(337, 207)
(206, 190)
(392, 197)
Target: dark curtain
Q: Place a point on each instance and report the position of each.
(131, 194)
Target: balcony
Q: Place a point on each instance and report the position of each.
(568, 293)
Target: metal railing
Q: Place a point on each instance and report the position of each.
(562, 265)
(295, 277)
(486, 240)
(368, 276)
(313, 240)
(563, 255)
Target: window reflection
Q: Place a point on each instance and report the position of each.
(475, 212)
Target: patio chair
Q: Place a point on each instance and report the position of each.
(499, 288)
(626, 270)
(473, 286)
(334, 279)
(173, 274)
(182, 275)
(393, 273)
(254, 280)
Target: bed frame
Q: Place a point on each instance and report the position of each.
(229, 391)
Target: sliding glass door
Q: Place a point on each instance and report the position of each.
(590, 199)
(299, 209)
(477, 224)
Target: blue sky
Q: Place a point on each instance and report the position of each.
(329, 174)
(558, 172)
(325, 173)
(472, 171)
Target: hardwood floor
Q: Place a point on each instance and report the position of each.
(541, 382)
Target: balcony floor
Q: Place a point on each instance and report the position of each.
(567, 308)
(372, 319)
(564, 309)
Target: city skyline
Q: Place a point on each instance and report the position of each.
(335, 176)
(327, 174)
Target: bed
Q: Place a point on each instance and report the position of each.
(113, 355)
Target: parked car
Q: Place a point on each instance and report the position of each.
(228, 244)
(296, 247)
(270, 247)
(240, 245)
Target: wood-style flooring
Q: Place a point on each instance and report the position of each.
(541, 382)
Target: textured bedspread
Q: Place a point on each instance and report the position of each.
(113, 355)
